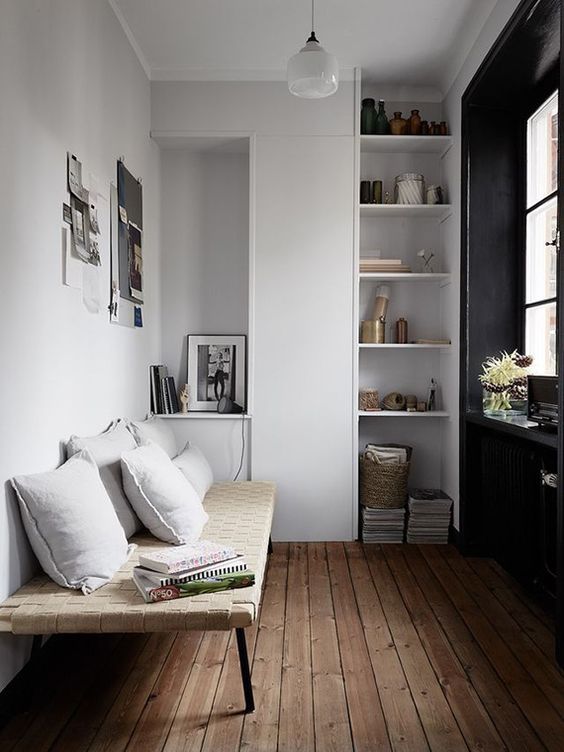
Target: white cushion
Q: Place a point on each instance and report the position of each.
(157, 430)
(107, 448)
(71, 524)
(162, 497)
(195, 468)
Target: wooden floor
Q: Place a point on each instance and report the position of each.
(358, 648)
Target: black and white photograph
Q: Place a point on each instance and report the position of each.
(216, 369)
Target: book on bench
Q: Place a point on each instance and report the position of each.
(230, 566)
(191, 556)
(152, 594)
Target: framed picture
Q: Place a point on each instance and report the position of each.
(217, 368)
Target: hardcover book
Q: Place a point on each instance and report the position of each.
(187, 557)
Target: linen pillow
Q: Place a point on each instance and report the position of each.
(162, 497)
(71, 524)
(195, 468)
(157, 430)
(106, 449)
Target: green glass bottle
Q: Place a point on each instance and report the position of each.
(382, 122)
(368, 117)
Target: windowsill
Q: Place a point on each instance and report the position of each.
(515, 425)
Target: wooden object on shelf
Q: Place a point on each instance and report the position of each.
(369, 400)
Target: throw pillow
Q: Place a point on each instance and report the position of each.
(157, 430)
(162, 497)
(107, 448)
(71, 524)
(195, 468)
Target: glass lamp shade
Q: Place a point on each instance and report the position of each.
(313, 73)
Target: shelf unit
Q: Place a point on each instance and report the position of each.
(402, 414)
(399, 232)
(204, 416)
(405, 144)
(404, 277)
(396, 346)
(413, 211)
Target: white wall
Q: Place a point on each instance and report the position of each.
(69, 81)
(205, 278)
(452, 166)
(302, 296)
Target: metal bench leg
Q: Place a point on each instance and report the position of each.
(245, 670)
(270, 544)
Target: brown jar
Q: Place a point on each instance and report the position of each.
(398, 125)
(415, 123)
(432, 126)
(424, 128)
(443, 130)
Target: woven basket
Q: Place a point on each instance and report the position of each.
(384, 486)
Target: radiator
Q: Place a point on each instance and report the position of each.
(511, 497)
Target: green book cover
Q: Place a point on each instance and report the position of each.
(231, 581)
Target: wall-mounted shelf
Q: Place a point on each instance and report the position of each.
(404, 277)
(402, 414)
(206, 416)
(405, 210)
(405, 144)
(395, 346)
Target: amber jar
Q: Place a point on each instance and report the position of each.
(398, 125)
(424, 128)
(443, 130)
(414, 124)
(432, 126)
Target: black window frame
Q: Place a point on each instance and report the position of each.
(542, 95)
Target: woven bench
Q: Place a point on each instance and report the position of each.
(240, 514)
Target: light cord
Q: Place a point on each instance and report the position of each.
(242, 446)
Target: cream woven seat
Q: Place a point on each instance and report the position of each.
(239, 514)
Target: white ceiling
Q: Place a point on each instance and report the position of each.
(399, 42)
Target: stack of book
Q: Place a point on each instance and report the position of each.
(164, 398)
(371, 265)
(429, 516)
(382, 525)
(193, 569)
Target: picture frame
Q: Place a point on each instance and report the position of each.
(217, 367)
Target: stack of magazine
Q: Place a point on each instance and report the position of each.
(429, 516)
(193, 569)
(382, 525)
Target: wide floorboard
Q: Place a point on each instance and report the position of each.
(360, 648)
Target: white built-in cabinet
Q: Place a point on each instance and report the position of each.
(400, 232)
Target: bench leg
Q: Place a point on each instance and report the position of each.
(270, 544)
(29, 674)
(245, 670)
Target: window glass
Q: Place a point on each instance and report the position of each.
(541, 338)
(541, 258)
(542, 152)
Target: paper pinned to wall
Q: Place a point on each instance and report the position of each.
(121, 311)
(91, 287)
(73, 265)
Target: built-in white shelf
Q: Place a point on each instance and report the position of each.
(405, 144)
(402, 414)
(405, 277)
(413, 211)
(206, 416)
(395, 346)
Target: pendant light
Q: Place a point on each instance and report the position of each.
(313, 73)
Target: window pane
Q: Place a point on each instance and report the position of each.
(541, 258)
(542, 151)
(540, 338)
